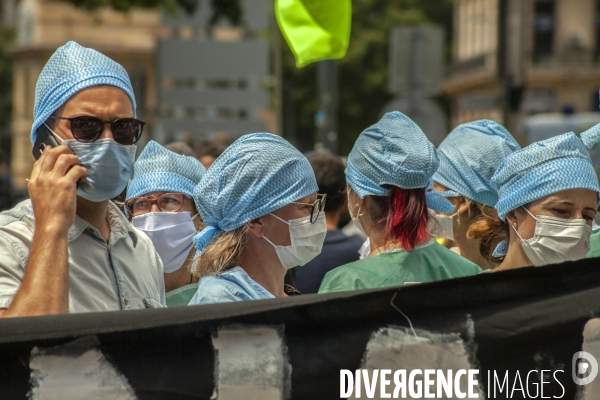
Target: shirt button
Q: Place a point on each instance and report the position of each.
(126, 302)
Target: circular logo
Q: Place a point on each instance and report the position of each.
(584, 368)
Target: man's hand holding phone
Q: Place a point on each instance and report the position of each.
(53, 188)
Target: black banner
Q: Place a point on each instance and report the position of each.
(510, 323)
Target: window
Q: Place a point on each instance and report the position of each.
(543, 29)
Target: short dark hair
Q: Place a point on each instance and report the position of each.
(329, 171)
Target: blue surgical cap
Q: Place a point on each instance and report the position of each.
(591, 136)
(160, 170)
(541, 169)
(436, 200)
(394, 151)
(470, 155)
(70, 69)
(258, 174)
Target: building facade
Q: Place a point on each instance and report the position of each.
(44, 25)
(517, 58)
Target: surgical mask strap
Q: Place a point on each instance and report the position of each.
(528, 212)
(281, 219)
(358, 214)
(267, 239)
(517, 232)
(451, 216)
(194, 217)
(515, 229)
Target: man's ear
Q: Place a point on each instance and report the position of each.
(256, 226)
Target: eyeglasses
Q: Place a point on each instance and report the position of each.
(169, 202)
(88, 129)
(317, 207)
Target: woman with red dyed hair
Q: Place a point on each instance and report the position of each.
(388, 170)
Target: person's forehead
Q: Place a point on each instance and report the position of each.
(103, 98)
(154, 194)
(308, 199)
(572, 197)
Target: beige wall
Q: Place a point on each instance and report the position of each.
(476, 24)
(48, 22)
(572, 75)
(43, 26)
(575, 23)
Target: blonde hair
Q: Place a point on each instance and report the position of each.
(224, 253)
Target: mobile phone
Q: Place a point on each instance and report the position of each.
(44, 138)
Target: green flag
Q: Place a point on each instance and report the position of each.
(315, 30)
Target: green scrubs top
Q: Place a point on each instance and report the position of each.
(181, 296)
(594, 245)
(426, 263)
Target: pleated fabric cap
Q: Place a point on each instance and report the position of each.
(437, 201)
(258, 174)
(70, 69)
(541, 169)
(160, 170)
(394, 151)
(470, 155)
(591, 136)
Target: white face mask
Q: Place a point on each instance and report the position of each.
(442, 226)
(355, 219)
(364, 250)
(307, 241)
(556, 240)
(172, 234)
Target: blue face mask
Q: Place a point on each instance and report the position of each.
(109, 167)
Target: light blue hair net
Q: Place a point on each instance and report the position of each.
(436, 200)
(470, 155)
(70, 69)
(394, 151)
(258, 174)
(160, 170)
(501, 249)
(541, 169)
(591, 136)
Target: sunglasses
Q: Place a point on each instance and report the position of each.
(317, 207)
(88, 129)
(170, 202)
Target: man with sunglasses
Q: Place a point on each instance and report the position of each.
(69, 249)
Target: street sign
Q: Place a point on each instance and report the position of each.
(416, 60)
(210, 86)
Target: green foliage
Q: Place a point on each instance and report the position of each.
(362, 74)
